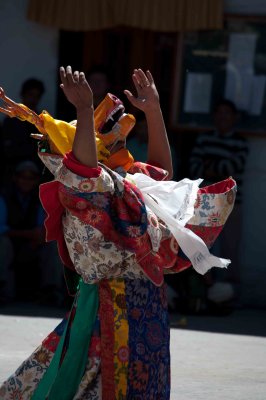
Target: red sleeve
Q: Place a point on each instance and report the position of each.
(79, 169)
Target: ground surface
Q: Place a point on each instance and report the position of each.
(221, 358)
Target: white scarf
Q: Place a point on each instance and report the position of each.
(173, 202)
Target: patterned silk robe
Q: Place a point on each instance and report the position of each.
(109, 239)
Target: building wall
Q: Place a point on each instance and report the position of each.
(27, 50)
(253, 244)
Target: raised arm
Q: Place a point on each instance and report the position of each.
(147, 100)
(79, 93)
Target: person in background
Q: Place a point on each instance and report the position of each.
(217, 155)
(98, 78)
(29, 266)
(16, 143)
(137, 143)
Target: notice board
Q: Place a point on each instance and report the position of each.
(229, 63)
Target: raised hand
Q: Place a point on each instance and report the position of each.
(147, 98)
(78, 92)
(76, 88)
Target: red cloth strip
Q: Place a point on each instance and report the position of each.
(107, 341)
(53, 223)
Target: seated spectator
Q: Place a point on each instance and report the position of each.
(28, 264)
(216, 156)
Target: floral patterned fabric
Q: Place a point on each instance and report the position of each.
(149, 357)
(108, 212)
(22, 384)
(213, 206)
(102, 225)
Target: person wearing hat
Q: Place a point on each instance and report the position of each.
(23, 249)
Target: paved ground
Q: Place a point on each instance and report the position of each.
(213, 358)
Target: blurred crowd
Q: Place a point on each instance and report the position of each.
(30, 268)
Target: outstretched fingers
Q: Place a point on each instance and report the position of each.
(69, 75)
(75, 87)
(82, 79)
(76, 76)
(150, 77)
(141, 78)
(129, 95)
(62, 73)
(135, 101)
(69, 78)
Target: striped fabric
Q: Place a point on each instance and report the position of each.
(216, 157)
(135, 340)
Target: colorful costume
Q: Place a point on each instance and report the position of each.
(115, 342)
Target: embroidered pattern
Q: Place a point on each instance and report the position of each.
(213, 209)
(149, 357)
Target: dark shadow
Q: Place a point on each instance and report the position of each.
(28, 309)
(246, 321)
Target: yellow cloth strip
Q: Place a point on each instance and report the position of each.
(121, 350)
(61, 136)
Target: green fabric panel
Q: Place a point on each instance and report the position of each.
(61, 383)
(72, 281)
(49, 376)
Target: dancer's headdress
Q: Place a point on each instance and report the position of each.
(111, 126)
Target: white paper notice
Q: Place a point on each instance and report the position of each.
(198, 93)
(242, 48)
(240, 69)
(238, 87)
(257, 94)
